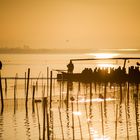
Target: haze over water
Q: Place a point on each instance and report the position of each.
(19, 63)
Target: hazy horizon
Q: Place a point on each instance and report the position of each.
(27, 49)
(70, 24)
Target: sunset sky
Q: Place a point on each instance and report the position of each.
(81, 24)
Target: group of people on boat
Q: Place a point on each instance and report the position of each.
(111, 74)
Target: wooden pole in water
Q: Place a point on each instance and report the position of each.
(51, 124)
(80, 128)
(36, 86)
(105, 91)
(78, 111)
(90, 108)
(126, 114)
(15, 90)
(95, 85)
(33, 98)
(78, 95)
(62, 89)
(48, 130)
(102, 119)
(60, 98)
(6, 86)
(128, 93)
(43, 91)
(47, 81)
(53, 87)
(50, 89)
(90, 91)
(99, 85)
(44, 115)
(79, 86)
(136, 111)
(116, 122)
(68, 121)
(67, 98)
(1, 92)
(26, 104)
(120, 93)
(85, 94)
(62, 131)
(38, 121)
(48, 124)
(25, 84)
(72, 119)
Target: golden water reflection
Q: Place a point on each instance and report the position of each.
(90, 115)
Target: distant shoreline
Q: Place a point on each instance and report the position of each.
(63, 51)
(42, 51)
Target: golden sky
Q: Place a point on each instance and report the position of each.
(89, 24)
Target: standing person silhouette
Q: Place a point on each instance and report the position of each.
(70, 67)
(0, 65)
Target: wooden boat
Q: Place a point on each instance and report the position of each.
(102, 75)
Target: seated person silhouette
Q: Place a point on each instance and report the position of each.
(70, 67)
(138, 64)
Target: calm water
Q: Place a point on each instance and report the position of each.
(19, 63)
(87, 117)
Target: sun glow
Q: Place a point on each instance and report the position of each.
(128, 50)
(104, 55)
(95, 100)
(105, 65)
(96, 135)
(77, 113)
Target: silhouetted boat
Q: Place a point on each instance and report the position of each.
(104, 75)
